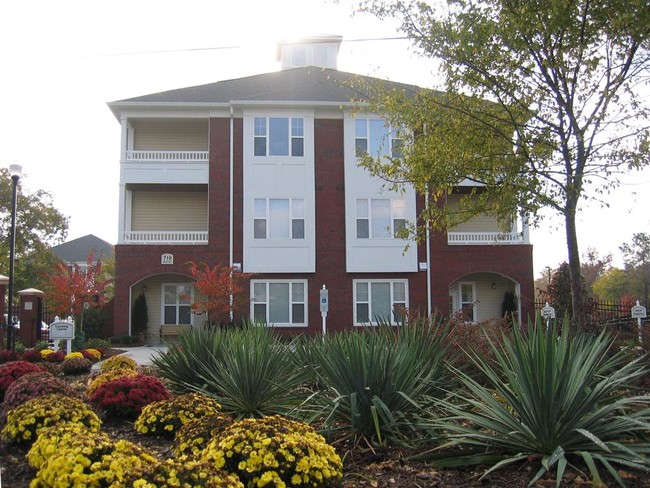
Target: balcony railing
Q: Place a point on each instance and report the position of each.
(171, 156)
(165, 237)
(486, 238)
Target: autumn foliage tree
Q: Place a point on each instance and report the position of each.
(71, 288)
(221, 291)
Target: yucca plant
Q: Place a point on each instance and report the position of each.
(379, 382)
(248, 370)
(564, 399)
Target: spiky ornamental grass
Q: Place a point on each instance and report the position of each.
(248, 370)
(564, 398)
(380, 382)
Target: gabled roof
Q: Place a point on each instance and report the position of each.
(308, 84)
(78, 250)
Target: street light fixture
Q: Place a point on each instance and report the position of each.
(16, 172)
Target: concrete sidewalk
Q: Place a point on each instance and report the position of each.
(143, 354)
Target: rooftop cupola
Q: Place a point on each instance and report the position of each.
(320, 51)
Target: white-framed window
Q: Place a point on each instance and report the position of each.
(279, 303)
(379, 300)
(380, 218)
(376, 138)
(177, 303)
(279, 136)
(467, 300)
(279, 218)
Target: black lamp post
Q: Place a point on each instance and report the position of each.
(16, 171)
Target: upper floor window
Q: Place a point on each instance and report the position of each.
(377, 300)
(279, 136)
(279, 218)
(380, 218)
(375, 138)
(279, 302)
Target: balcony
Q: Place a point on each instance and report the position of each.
(165, 237)
(487, 238)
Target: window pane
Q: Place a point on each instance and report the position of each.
(170, 294)
(362, 313)
(260, 126)
(380, 301)
(299, 55)
(297, 127)
(362, 208)
(259, 312)
(259, 208)
(399, 291)
(396, 148)
(170, 315)
(297, 229)
(360, 147)
(279, 217)
(378, 138)
(184, 315)
(278, 136)
(297, 313)
(361, 128)
(298, 292)
(362, 292)
(185, 294)
(279, 303)
(297, 208)
(398, 227)
(380, 209)
(363, 229)
(320, 56)
(259, 292)
(260, 146)
(259, 229)
(297, 146)
(466, 293)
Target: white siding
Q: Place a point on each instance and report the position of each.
(478, 223)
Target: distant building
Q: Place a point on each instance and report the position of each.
(77, 251)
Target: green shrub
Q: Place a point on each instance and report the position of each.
(563, 399)
(33, 385)
(188, 474)
(96, 343)
(275, 451)
(119, 362)
(249, 371)
(95, 462)
(126, 396)
(379, 382)
(165, 417)
(25, 422)
(194, 435)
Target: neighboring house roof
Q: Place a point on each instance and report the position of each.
(78, 250)
(308, 84)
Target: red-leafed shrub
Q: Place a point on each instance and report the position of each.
(126, 396)
(32, 355)
(33, 385)
(10, 372)
(76, 366)
(56, 357)
(6, 356)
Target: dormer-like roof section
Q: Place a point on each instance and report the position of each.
(307, 85)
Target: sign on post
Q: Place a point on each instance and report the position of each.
(638, 312)
(324, 307)
(548, 313)
(63, 330)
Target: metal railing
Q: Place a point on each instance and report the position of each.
(165, 237)
(163, 156)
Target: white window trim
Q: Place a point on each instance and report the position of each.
(392, 131)
(392, 218)
(267, 219)
(290, 119)
(162, 301)
(392, 301)
(267, 282)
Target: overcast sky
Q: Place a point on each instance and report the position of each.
(62, 61)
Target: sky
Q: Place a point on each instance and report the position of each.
(61, 62)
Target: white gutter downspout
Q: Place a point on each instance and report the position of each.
(231, 225)
(428, 244)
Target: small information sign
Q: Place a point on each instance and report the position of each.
(639, 312)
(62, 330)
(548, 312)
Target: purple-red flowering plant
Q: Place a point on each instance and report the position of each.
(10, 372)
(126, 396)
